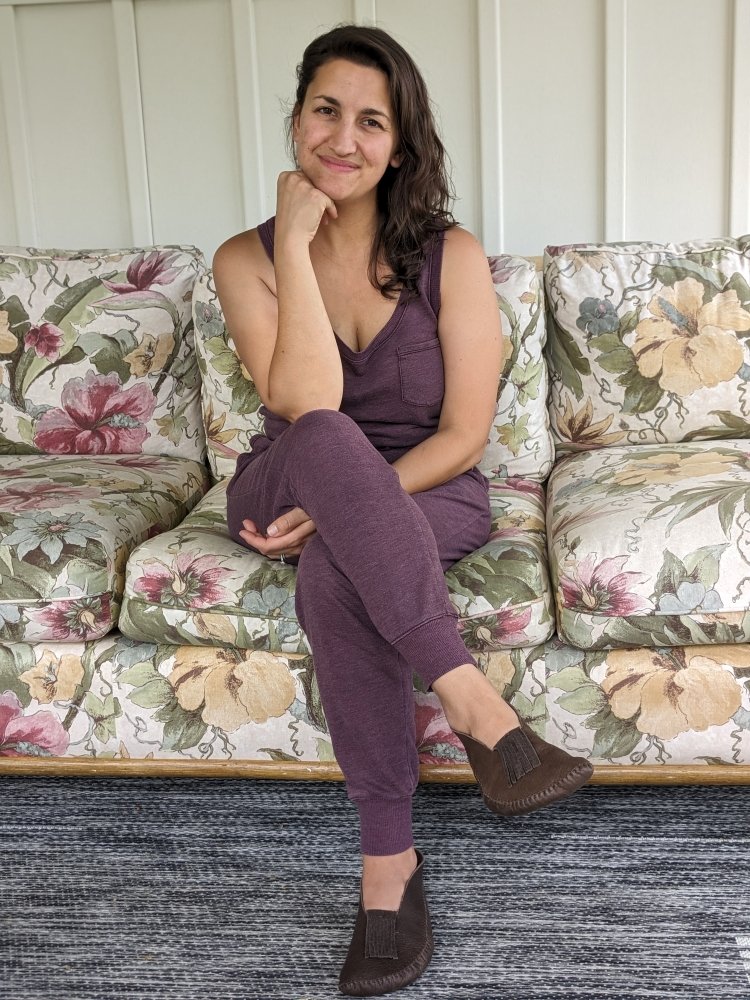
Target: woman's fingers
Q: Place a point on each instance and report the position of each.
(295, 528)
(286, 523)
(300, 206)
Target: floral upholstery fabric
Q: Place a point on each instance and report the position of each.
(96, 352)
(677, 705)
(195, 585)
(648, 343)
(649, 545)
(67, 526)
(520, 443)
(120, 699)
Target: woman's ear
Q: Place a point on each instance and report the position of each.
(397, 159)
(295, 124)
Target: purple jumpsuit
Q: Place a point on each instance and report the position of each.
(370, 590)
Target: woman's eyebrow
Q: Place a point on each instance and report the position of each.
(364, 111)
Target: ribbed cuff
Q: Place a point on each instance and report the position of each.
(385, 826)
(434, 648)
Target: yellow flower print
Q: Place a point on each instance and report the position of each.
(238, 686)
(500, 670)
(672, 467)
(216, 627)
(151, 354)
(577, 427)
(688, 345)
(673, 692)
(8, 342)
(53, 678)
(215, 425)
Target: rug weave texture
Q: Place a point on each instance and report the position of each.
(231, 889)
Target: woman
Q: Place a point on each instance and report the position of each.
(368, 321)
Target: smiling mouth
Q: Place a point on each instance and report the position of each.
(338, 165)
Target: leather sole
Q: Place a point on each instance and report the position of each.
(555, 793)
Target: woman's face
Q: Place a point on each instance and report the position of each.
(345, 133)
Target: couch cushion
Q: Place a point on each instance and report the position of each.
(96, 352)
(649, 545)
(196, 585)
(520, 443)
(648, 342)
(669, 706)
(684, 706)
(67, 526)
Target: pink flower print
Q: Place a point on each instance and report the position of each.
(45, 339)
(38, 495)
(99, 417)
(521, 485)
(191, 582)
(141, 461)
(601, 588)
(512, 624)
(145, 271)
(83, 618)
(436, 741)
(503, 267)
(40, 734)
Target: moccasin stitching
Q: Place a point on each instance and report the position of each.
(538, 796)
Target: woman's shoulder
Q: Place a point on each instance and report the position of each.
(458, 240)
(242, 250)
(462, 252)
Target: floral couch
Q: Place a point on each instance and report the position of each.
(610, 605)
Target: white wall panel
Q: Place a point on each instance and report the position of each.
(678, 119)
(285, 28)
(613, 119)
(8, 235)
(553, 122)
(440, 35)
(189, 104)
(69, 78)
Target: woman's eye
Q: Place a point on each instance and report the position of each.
(324, 111)
(373, 121)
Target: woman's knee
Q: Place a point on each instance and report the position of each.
(326, 427)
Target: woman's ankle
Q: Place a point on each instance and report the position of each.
(472, 705)
(384, 878)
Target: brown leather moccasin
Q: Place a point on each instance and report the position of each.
(522, 772)
(389, 948)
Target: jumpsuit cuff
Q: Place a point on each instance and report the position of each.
(385, 825)
(434, 648)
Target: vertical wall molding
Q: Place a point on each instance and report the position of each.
(19, 154)
(615, 120)
(738, 220)
(363, 11)
(249, 130)
(133, 130)
(490, 126)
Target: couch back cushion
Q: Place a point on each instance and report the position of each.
(519, 444)
(648, 343)
(97, 353)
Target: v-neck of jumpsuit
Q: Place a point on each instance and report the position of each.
(394, 387)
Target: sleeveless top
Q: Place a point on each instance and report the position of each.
(394, 388)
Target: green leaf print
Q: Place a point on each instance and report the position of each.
(642, 395)
(566, 358)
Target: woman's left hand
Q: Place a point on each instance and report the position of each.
(295, 528)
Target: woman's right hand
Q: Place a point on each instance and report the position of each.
(300, 207)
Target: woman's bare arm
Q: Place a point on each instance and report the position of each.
(471, 341)
(283, 336)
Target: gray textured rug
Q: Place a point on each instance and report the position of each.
(180, 889)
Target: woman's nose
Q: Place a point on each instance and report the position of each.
(343, 139)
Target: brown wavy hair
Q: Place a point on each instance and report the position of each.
(414, 198)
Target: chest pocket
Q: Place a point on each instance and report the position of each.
(420, 369)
